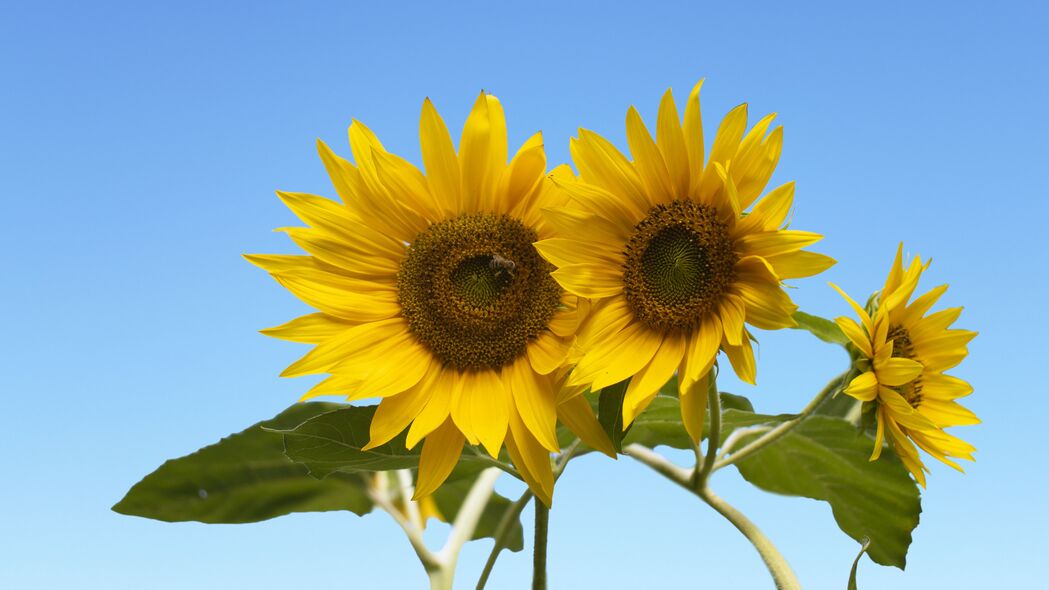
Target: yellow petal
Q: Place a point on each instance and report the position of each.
(534, 399)
(897, 371)
(864, 387)
(648, 160)
(473, 155)
(797, 265)
(856, 335)
(566, 251)
(671, 142)
(440, 453)
(594, 281)
(701, 350)
(742, 359)
(693, 133)
(617, 358)
(646, 383)
(446, 387)
(394, 414)
(547, 353)
(600, 163)
(531, 459)
(868, 323)
(592, 198)
(587, 226)
(771, 243)
(694, 408)
(576, 414)
(344, 345)
(902, 412)
(310, 329)
(483, 409)
(732, 312)
(442, 166)
(947, 413)
(770, 213)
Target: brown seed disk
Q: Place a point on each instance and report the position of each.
(475, 291)
(679, 263)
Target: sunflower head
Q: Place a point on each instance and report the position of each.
(431, 296)
(678, 252)
(903, 352)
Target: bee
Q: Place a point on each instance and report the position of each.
(501, 265)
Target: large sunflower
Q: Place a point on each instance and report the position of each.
(905, 354)
(675, 263)
(432, 297)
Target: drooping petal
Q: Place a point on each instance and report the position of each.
(441, 452)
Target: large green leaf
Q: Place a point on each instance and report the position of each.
(826, 458)
(821, 328)
(247, 477)
(334, 441)
(244, 477)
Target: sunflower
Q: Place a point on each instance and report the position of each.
(674, 263)
(431, 296)
(905, 353)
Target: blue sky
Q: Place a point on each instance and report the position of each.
(140, 145)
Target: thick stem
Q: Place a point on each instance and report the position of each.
(502, 535)
(782, 575)
(469, 515)
(778, 432)
(713, 436)
(441, 578)
(506, 524)
(542, 524)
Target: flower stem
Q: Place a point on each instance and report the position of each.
(542, 523)
(506, 524)
(782, 575)
(713, 436)
(502, 535)
(778, 432)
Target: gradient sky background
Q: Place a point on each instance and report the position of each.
(140, 145)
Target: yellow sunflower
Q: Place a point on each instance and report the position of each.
(673, 260)
(905, 354)
(431, 296)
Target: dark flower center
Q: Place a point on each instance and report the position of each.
(475, 291)
(679, 263)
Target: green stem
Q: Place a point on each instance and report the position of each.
(513, 512)
(713, 436)
(502, 535)
(782, 575)
(780, 571)
(785, 427)
(542, 524)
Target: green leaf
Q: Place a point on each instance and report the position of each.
(244, 477)
(864, 545)
(660, 423)
(821, 328)
(610, 412)
(449, 499)
(334, 441)
(826, 458)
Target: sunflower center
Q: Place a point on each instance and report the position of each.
(902, 347)
(679, 263)
(475, 291)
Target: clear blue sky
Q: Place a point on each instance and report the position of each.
(140, 145)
